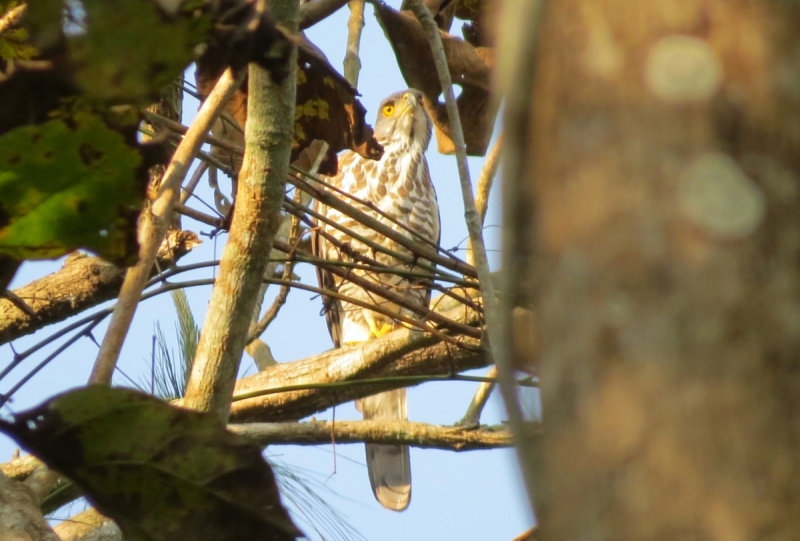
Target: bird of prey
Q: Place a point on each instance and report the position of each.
(399, 185)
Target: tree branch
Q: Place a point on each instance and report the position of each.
(377, 431)
(485, 183)
(256, 217)
(154, 225)
(20, 468)
(20, 516)
(89, 526)
(400, 353)
(12, 18)
(313, 12)
(352, 63)
(82, 282)
(482, 394)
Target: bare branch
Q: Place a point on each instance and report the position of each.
(352, 63)
(473, 415)
(485, 183)
(256, 217)
(376, 431)
(374, 224)
(154, 225)
(446, 260)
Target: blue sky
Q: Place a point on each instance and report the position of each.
(472, 495)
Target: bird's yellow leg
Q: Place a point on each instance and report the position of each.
(386, 328)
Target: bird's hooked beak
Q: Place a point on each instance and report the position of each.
(408, 103)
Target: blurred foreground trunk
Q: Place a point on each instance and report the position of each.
(654, 231)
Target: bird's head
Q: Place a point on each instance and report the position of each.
(403, 119)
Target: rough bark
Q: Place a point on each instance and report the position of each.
(451, 438)
(89, 525)
(656, 232)
(82, 282)
(256, 217)
(20, 516)
(399, 353)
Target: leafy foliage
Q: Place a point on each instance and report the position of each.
(161, 472)
(133, 49)
(67, 185)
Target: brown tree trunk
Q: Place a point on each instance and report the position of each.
(662, 251)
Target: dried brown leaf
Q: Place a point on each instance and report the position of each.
(327, 107)
(470, 68)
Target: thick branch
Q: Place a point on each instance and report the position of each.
(400, 353)
(81, 283)
(20, 517)
(388, 432)
(256, 217)
(89, 526)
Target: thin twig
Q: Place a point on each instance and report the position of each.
(495, 346)
(58, 351)
(516, 73)
(420, 435)
(18, 302)
(188, 190)
(154, 225)
(473, 415)
(485, 183)
(400, 381)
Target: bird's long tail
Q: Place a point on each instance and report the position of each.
(389, 465)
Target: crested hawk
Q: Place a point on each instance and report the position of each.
(398, 184)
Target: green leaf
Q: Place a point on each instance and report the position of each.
(161, 472)
(131, 49)
(14, 43)
(64, 187)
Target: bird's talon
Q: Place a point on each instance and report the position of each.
(385, 329)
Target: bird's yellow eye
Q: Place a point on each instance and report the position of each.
(388, 109)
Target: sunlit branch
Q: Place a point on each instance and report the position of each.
(420, 435)
(352, 63)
